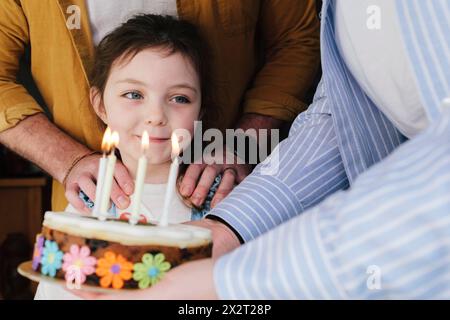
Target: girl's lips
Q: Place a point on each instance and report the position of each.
(154, 139)
(157, 140)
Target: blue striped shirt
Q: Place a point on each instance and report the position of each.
(394, 220)
(341, 135)
(385, 237)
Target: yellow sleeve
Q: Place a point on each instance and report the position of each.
(290, 36)
(15, 102)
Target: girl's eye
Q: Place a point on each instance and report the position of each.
(180, 99)
(133, 96)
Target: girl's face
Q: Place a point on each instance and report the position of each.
(152, 92)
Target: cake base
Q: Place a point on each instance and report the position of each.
(132, 253)
(113, 254)
(25, 269)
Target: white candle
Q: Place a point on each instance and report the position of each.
(109, 176)
(99, 187)
(171, 181)
(139, 183)
(101, 171)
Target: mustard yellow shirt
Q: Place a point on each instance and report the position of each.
(264, 57)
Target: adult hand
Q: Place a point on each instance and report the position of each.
(83, 176)
(190, 281)
(199, 178)
(224, 239)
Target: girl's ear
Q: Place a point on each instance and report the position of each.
(97, 103)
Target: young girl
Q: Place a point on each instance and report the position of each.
(149, 75)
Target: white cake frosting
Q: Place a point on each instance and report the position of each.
(118, 231)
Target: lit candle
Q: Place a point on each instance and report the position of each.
(139, 184)
(109, 176)
(101, 171)
(171, 182)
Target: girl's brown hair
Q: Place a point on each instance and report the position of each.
(152, 31)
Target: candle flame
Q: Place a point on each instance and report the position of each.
(106, 141)
(114, 139)
(144, 141)
(175, 146)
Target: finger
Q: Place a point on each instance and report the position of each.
(204, 184)
(87, 185)
(71, 194)
(225, 187)
(124, 179)
(190, 179)
(120, 199)
(243, 171)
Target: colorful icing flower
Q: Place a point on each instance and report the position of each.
(51, 258)
(113, 270)
(78, 264)
(151, 270)
(37, 252)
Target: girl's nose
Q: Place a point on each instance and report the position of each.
(156, 116)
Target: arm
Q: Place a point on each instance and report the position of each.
(387, 237)
(40, 141)
(15, 102)
(23, 126)
(303, 170)
(289, 33)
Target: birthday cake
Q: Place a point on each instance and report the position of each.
(114, 254)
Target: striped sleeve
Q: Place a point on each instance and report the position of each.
(300, 172)
(386, 237)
